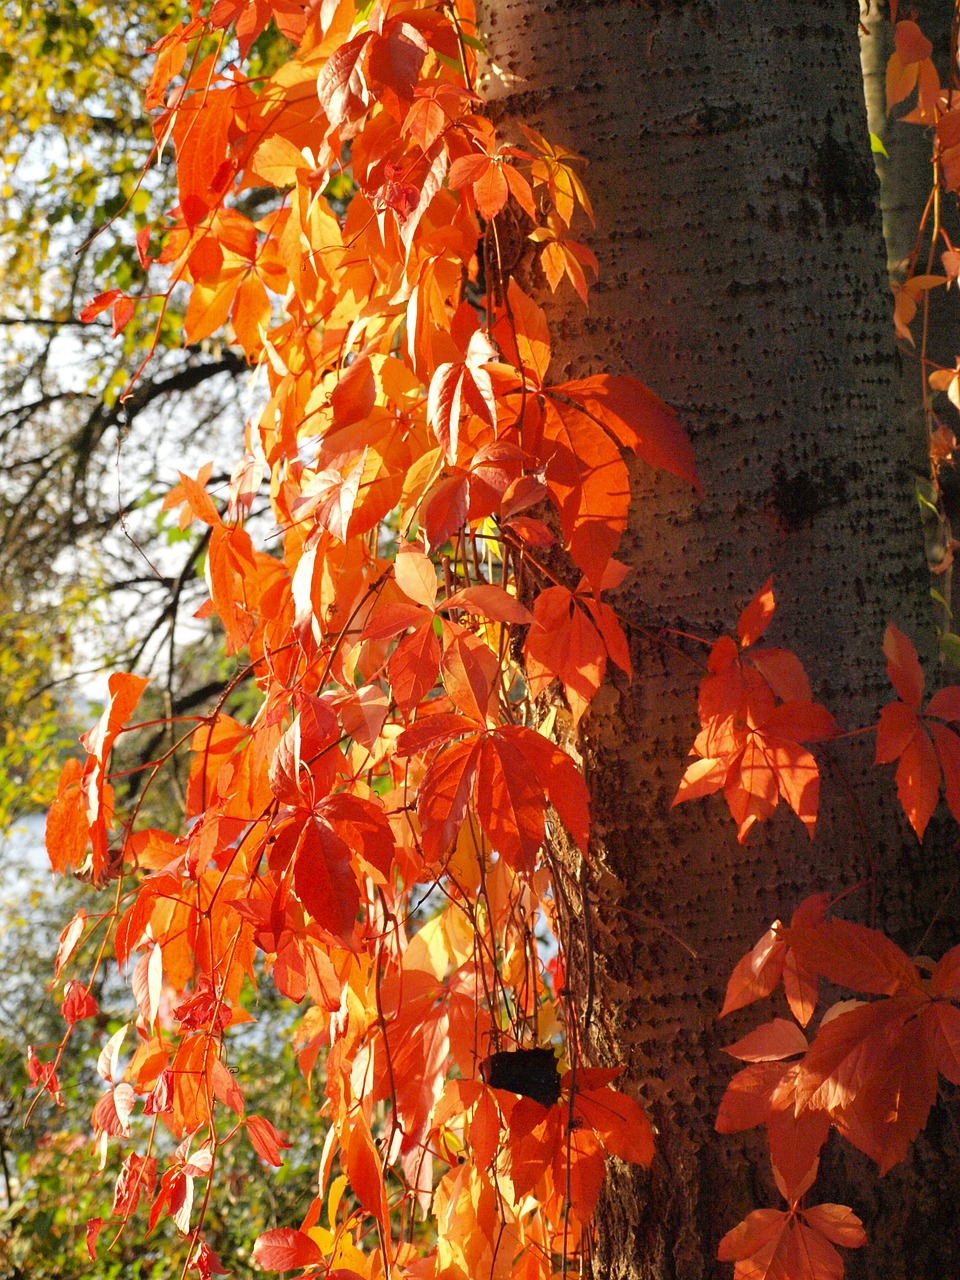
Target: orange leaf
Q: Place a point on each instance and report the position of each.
(580, 1166)
(341, 86)
(837, 1223)
(748, 1098)
(769, 1043)
(783, 672)
(560, 778)
(365, 1172)
(69, 939)
(416, 576)
(484, 1129)
(510, 803)
(564, 645)
(489, 601)
(67, 830)
(471, 674)
(638, 419)
(755, 618)
(523, 335)
(589, 484)
(759, 1228)
(756, 974)
(125, 691)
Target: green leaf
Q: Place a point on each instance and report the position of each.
(950, 648)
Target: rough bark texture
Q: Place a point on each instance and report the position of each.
(742, 277)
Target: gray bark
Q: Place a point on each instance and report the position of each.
(742, 277)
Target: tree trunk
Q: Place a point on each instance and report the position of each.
(742, 277)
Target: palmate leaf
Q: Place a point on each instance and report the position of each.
(924, 748)
(750, 744)
(775, 1244)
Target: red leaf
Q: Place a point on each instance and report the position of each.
(801, 722)
(325, 882)
(897, 727)
(911, 44)
(947, 744)
(98, 304)
(265, 1139)
(431, 731)
(284, 1249)
(946, 976)
(77, 1004)
(942, 1023)
(413, 667)
(945, 703)
(94, 1227)
(853, 956)
(396, 57)
(903, 666)
(918, 782)
(446, 509)
(444, 795)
